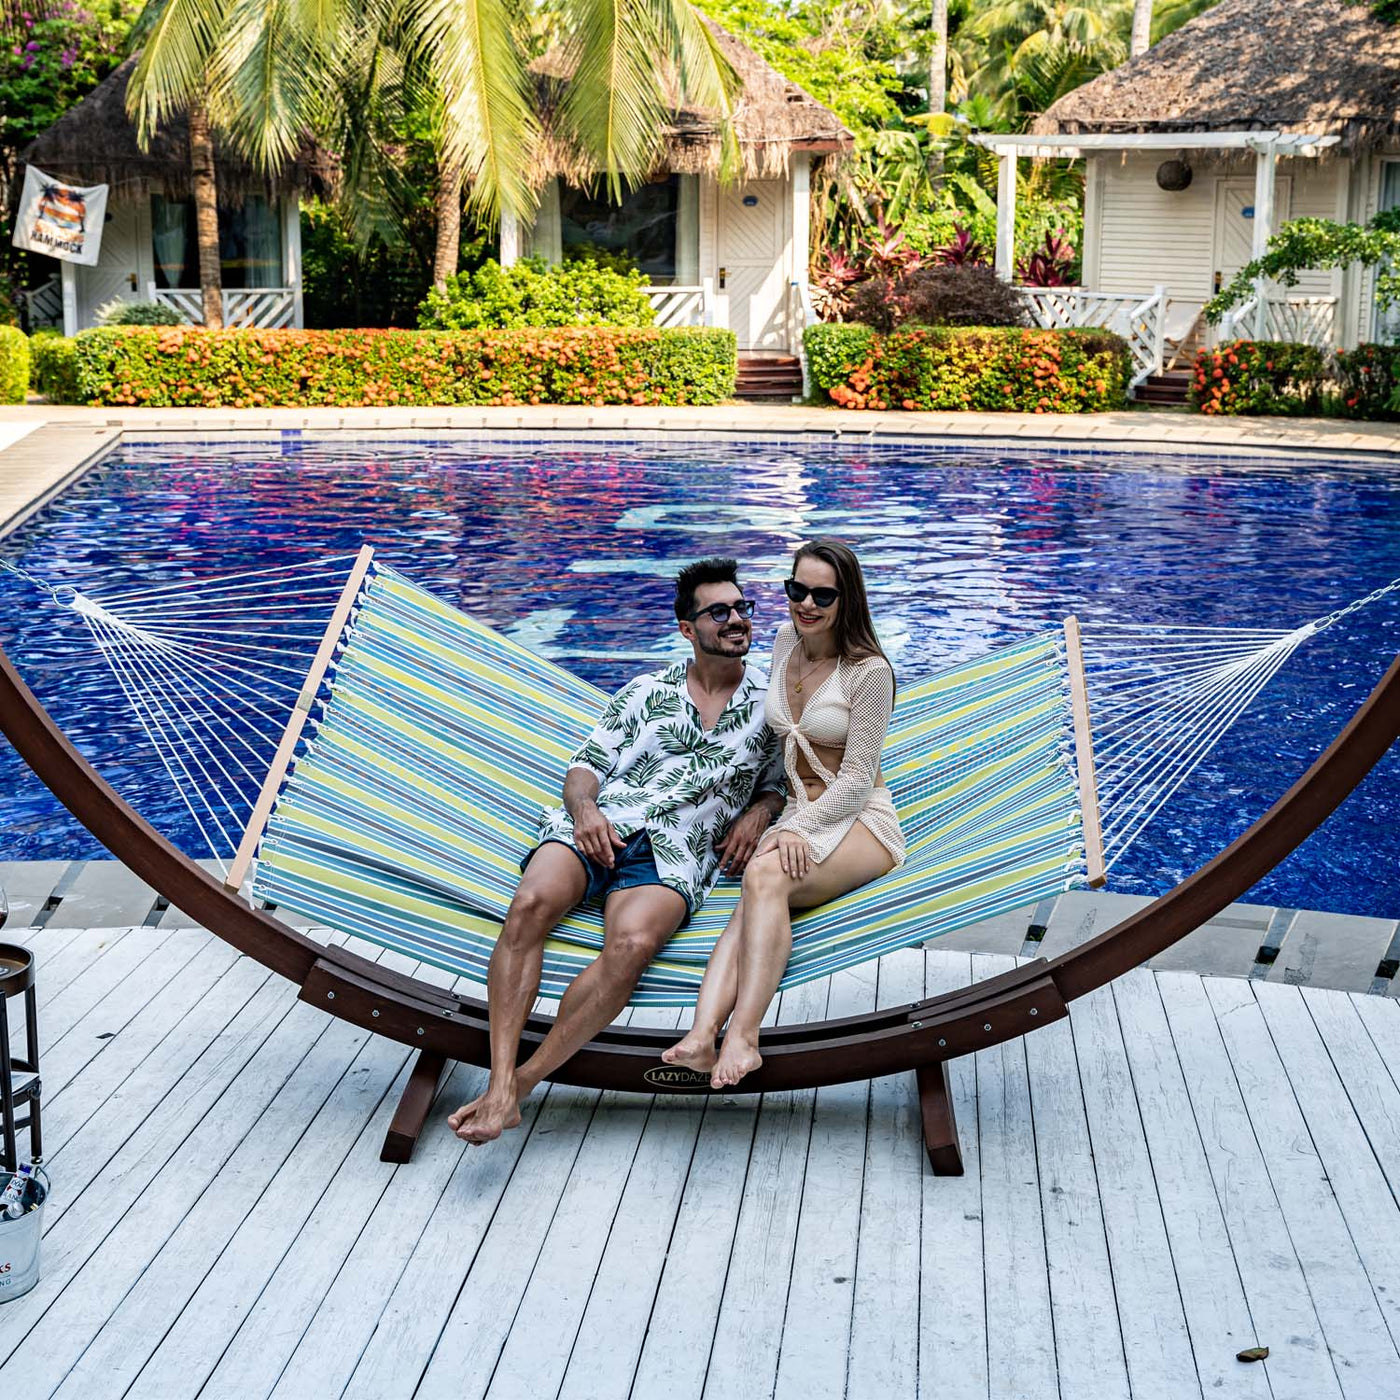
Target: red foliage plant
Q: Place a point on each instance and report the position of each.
(1051, 265)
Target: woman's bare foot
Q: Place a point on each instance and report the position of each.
(736, 1059)
(696, 1051)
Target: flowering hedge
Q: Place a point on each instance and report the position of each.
(53, 367)
(1248, 376)
(987, 369)
(190, 367)
(14, 364)
(1370, 381)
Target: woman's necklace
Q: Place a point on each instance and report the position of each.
(802, 675)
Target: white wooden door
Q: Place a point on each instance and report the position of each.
(1234, 222)
(1385, 326)
(753, 263)
(124, 268)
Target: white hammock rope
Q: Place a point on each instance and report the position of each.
(190, 660)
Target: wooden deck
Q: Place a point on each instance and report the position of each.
(1189, 1166)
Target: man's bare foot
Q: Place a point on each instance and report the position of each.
(491, 1115)
(736, 1059)
(696, 1051)
(465, 1113)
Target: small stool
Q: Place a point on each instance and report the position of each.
(19, 1079)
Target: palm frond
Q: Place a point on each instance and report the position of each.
(178, 38)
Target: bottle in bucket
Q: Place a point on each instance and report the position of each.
(12, 1198)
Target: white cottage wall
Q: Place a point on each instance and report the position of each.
(1138, 236)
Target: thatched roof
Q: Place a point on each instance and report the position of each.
(773, 118)
(94, 143)
(1325, 66)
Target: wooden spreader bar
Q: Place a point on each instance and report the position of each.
(919, 1036)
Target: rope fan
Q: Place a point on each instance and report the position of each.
(388, 788)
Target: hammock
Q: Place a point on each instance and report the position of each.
(437, 740)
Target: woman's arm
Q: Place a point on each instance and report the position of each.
(824, 821)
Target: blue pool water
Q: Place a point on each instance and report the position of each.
(572, 549)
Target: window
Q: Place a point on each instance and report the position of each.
(250, 244)
(656, 225)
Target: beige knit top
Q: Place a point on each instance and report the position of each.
(851, 707)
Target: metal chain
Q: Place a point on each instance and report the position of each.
(1339, 613)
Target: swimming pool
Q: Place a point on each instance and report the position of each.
(571, 548)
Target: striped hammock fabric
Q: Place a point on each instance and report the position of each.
(407, 813)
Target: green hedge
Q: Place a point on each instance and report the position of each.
(982, 368)
(14, 364)
(1369, 379)
(1259, 376)
(531, 293)
(53, 367)
(189, 367)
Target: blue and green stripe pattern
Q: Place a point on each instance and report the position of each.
(418, 791)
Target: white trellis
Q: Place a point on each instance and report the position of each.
(1300, 320)
(261, 308)
(679, 306)
(1139, 319)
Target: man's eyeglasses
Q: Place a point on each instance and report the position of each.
(799, 593)
(719, 612)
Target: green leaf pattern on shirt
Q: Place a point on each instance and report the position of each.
(665, 773)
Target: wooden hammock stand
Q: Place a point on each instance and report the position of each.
(920, 1036)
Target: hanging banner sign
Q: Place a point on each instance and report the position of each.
(64, 221)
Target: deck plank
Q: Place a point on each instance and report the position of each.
(1217, 1312)
(816, 1328)
(1352, 1322)
(1086, 1293)
(1345, 1146)
(1155, 1339)
(121, 1221)
(1283, 1305)
(952, 1279)
(883, 1358)
(743, 1358)
(1020, 1327)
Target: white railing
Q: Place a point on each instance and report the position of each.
(801, 314)
(679, 306)
(1299, 320)
(1140, 320)
(263, 308)
(44, 305)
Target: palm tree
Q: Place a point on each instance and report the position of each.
(1142, 28)
(268, 71)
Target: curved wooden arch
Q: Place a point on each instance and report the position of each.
(919, 1035)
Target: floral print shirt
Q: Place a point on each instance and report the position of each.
(658, 768)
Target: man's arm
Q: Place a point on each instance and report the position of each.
(594, 834)
(747, 829)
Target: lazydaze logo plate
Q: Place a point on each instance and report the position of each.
(675, 1077)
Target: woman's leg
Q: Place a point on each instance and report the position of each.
(769, 898)
(716, 1000)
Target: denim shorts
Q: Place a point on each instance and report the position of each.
(633, 865)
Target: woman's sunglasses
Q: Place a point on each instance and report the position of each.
(799, 593)
(719, 612)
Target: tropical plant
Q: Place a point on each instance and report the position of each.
(530, 293)
(137, 313)
(1050, 265)
(953, 295)
(961, 250)
(1319, 244)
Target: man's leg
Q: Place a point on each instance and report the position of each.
(552, 883)
(636, 924)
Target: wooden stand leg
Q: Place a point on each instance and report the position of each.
(412, 1112)
(940, 1126)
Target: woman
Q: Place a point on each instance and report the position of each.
(830, 693)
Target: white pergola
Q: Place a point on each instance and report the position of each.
(1266, 145)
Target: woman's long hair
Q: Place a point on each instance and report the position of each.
(855, 629)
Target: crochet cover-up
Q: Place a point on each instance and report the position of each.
(851, 707)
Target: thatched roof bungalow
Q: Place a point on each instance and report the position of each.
(148, 245)
(1255, 112)
(730, 254)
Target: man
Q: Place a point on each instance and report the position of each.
(679, 779)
